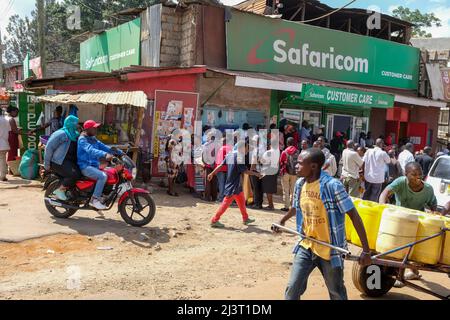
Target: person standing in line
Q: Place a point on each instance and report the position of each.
(351, 165)
(233, 189)
(14, 133)
(337, 146)
(257, 185)
(320, 205)
(288, 161)
(425, 160)
(269, 170)
(55, 123)
(330, 165)
(374, 170)
(304, 145)
(362, 140)
(5, 128)
(222, 173)
(305, 132)
(394, 169)
(369, 140)
(406, 156)
(209, 150)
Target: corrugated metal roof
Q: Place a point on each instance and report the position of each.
(255, 6)
(131, 98)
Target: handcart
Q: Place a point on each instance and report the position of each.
(390, 269)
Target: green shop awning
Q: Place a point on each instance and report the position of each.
(325, 95)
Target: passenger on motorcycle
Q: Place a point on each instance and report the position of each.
(61, 156)
(90, 151)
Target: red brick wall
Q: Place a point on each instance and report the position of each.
(429, 115)
(377, 122)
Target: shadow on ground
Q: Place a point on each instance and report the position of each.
(94, 227)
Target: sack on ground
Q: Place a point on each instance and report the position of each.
(28, 167)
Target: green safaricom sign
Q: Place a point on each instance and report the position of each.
(113, 49)
(256, 43)
(337, 96)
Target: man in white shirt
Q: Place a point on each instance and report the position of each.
(406, 156)
(5, 128)
(330, 165)
(351, 164)
(375, 161)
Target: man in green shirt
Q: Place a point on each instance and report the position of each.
(410, 190)
(413, 193)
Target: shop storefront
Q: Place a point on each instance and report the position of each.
(344, 110)
(171, 103)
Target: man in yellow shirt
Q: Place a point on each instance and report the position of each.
(320, 204)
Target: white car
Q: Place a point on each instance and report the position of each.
(439, 179)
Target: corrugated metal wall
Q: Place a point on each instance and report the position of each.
(151, 36)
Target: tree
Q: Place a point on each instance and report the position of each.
(95, 15)
(22, 39)
(419, 19)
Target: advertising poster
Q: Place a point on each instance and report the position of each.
(173, 110)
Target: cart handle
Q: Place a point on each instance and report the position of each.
(346, 254)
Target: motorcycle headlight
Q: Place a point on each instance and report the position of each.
(134, 173)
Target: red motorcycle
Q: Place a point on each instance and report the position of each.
(136, 206)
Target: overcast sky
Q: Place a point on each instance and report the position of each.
(440, 7)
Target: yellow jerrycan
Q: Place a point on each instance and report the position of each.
(348, 222)
(428, 252)
(445, 259)
(398, 227)
(370, 213)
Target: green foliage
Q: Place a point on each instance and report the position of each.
(95, 15)
(419, 19)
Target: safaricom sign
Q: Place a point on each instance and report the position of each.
(318, 59)
(260, 44)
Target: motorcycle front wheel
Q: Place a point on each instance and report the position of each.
(141, 212)
(57, 212)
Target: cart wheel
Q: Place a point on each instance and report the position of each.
(360, 277)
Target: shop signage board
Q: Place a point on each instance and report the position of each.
(29, 111)
(113, 49)
(346, 97)
(260, 44)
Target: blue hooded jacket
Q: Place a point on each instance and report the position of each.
(90, 151)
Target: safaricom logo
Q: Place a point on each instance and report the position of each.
(305, 57)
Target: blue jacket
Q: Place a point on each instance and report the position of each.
(56, 148)
(90, 151)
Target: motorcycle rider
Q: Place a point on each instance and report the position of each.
(61, 156)
(90, 151)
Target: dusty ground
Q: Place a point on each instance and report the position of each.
(181, 259)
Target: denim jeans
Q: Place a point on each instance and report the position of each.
(96, 174)
(221, 179)
(305, 261)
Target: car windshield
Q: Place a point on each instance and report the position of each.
(442, 168)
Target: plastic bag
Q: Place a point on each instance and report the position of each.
(28, 167)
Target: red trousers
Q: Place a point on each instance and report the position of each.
(227, 201)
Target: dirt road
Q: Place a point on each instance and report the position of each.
(180, 256)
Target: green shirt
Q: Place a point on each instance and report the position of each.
(407, 198)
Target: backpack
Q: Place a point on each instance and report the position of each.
(291, 162)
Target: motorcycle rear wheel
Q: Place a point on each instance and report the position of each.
(127, 204)
(64, 213)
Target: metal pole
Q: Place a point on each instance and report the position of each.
(288, 230)
(41, 33)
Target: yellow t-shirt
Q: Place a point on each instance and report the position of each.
(315, 219)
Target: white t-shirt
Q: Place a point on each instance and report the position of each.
(404, 158)
(5, 128)
(375, 161)
(332, 168)
(351, 163)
